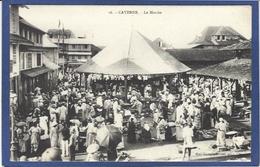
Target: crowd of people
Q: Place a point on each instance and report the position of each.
(69, 117)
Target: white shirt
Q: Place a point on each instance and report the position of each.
(118, 120)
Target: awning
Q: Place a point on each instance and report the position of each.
(14, 38)
(232, 69)
(34, 72)
(50, 64)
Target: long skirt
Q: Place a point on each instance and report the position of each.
(90, 139)
(221, 138)
(179, 134)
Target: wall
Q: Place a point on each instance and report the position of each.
(52, 54)
(14, 60)
(14, 19)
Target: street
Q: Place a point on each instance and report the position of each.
(170, 150)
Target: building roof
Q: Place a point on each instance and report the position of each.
(232, 69)
(202, 55)
(205, 37)
(47, 43)
(23, 21)
(164, 44)
(239, 46)
(135, 54)
(14, 38)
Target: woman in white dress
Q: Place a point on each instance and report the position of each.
(187, 142)
(161, 129)
(118, 122)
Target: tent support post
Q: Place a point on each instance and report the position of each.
(199, 80)
(212, 83)
(86, 80)
(238, 90)
(80, 78)
(125, 88)
(221, 84)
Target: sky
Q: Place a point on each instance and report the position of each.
(177, 25)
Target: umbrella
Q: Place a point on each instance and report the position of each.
(230, 133)
(92, 148)
(109, 136)
(19, 124)
(75, 121)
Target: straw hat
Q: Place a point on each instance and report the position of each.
(92, 148)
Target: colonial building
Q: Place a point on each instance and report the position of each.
(75, 51)
(32, 60)
(217, 37)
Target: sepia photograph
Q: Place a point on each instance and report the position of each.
(130, 83)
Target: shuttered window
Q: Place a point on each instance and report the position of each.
(39, 59)
(22, 61)
(29, 60)
(14, 54)
(11, 66)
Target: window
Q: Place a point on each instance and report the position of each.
(218, 37)
(30, 35)
(26, 34)
(39, 59)
(29, 61)
(14, 54)
(79, 57)
(11, 66)
(223, 37)
(73, 46)
(37, 38)
(22, 61)
(23, 33)
(40, 38)
(87, 47)
(13, 23)
(73, 57)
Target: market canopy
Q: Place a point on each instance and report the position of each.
(134, 55)
(232, 69)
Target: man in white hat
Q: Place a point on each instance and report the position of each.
(92, 152)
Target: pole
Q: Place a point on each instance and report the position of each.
(86, 80)
(13, 149)
(80, 79)
(221, 84)
(125, 88)
(63, 47)
(212, 83)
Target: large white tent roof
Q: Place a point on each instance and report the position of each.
(132, 55)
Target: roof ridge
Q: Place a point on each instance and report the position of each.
(29, 24)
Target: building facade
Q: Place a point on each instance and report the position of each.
(75, 51)
(215, 37)
(32, 62)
